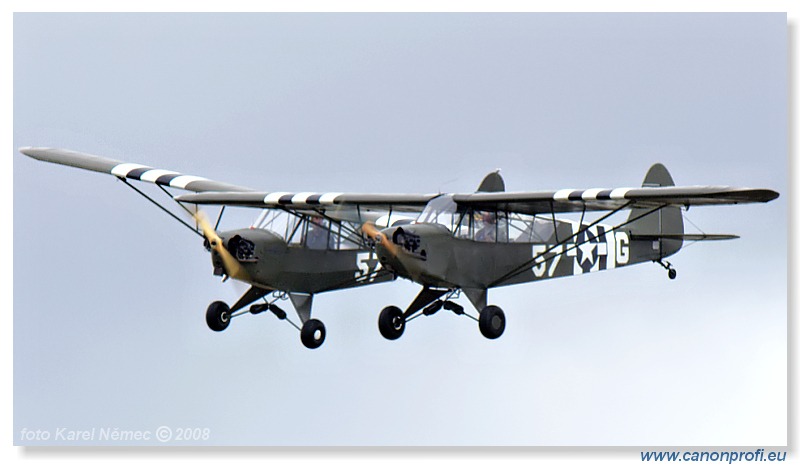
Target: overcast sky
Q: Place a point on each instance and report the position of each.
(110, 294)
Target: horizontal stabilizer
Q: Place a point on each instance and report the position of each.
(684, 237)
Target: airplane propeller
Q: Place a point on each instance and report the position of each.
(232, 266)
(374, 233)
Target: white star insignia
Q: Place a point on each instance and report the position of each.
(587, 251)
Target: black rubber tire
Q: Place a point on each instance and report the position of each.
(312, 334)
(492, 322)
(218, 316)
(391, 323)
(672, 274)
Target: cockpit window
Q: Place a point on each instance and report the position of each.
(492, 226)
(310, 229)
(441, 210)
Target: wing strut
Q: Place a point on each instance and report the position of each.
(165, 210)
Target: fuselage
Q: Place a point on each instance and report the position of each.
(270, 262)
(432, 255)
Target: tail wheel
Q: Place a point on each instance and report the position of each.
(672, 273)
(218, 316)
(391, 323)
(492, 322)
(312, 334)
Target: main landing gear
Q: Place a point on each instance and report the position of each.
(391, 322)
(492, 322)
(670, 269)
(218, 316)
(312, 331)
(491, 319)
(312, 334)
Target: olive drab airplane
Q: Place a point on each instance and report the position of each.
(308, 243)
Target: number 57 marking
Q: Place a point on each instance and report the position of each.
(540, 262)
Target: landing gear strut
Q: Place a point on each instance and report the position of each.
(312, 331)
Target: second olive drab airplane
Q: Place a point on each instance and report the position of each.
(307, 243)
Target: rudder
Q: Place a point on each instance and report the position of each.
(666, 221)
(493, 182)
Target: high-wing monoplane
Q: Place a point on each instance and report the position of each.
(306, 243)
(287, 253)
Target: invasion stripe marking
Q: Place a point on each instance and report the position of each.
(591, 194)
(272, 198)
(153, 175)
(575, 195)
(562, 195)
(301, 198)
(619, 194)
(285, 200)
(122, 170)
(313, 199)
(136, 174)
(604, 194)
(183, 180)
(166, 179)
(328, 198)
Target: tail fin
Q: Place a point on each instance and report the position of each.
(493, 182)
(666, 224)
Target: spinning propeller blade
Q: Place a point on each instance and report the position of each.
(232, 266)
(375, 234)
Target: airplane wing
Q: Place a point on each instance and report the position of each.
(126, 170)
(310, 200)
(568, 200)
(211, 192)
(560, 201)
(220, 193)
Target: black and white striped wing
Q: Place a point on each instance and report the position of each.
(126, 170)
(309, 200)
(560, 201)
(570, 200)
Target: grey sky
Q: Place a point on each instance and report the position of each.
(109, 293)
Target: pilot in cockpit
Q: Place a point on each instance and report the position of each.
(317, 237)
(490, 230)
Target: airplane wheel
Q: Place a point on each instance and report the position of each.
(492, 322)
(312, 334)
(672, 273)
(391, 323)
(218, 316)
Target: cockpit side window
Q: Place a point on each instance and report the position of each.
(318, 234)
(532, 229)
(491, 226)
(312, 230)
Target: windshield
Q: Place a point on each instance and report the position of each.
(440, 210)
